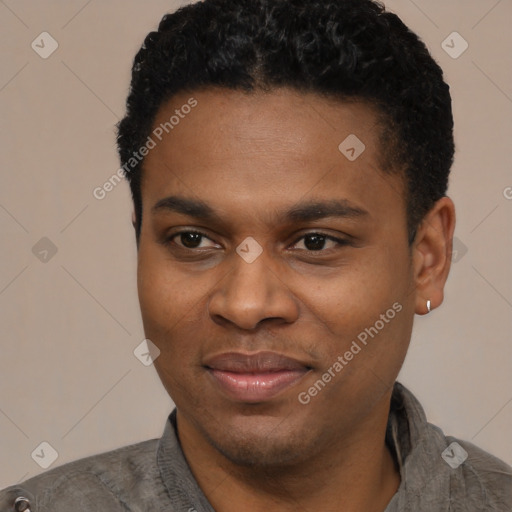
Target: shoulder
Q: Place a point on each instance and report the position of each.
(478, 476)
(99, 482)
(441, 469)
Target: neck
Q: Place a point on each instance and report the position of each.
(355, 472)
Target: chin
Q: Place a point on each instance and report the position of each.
(260, 452)
(262, 442)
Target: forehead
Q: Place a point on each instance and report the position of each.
(265, 149)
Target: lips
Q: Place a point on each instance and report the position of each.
(256, 377)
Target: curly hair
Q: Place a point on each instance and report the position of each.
(345, 49)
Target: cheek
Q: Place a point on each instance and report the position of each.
(164, 293)
(173, 305)
(370, 280)
(169, 306)
(163, 297)
(365, 301)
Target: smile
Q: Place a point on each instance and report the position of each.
(257, 377)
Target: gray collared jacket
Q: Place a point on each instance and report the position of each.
(438, 474)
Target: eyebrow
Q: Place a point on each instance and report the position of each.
(301, 212)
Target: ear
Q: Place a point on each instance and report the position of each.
(432, 254)
(133, 219)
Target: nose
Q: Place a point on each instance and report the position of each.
(251, 293)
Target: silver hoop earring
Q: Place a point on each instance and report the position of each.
(428, 306)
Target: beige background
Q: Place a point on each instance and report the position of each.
(69, 325)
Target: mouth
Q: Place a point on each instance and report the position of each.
(254, 378)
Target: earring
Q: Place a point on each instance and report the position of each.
(428, 306)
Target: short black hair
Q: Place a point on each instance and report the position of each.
(346, 49)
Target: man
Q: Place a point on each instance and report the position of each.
(288, 162)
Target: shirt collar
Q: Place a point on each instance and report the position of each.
(417, 453)
(183, 490)
(418, 447)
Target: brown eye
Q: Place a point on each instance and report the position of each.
(317, 241)
(189, 240)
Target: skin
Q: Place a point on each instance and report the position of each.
(251, 156)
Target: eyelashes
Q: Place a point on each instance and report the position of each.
(317, 236)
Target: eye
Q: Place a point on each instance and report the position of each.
(312, 242)
(189, 239)
(315, 242)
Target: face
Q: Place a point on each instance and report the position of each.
(274, 273)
